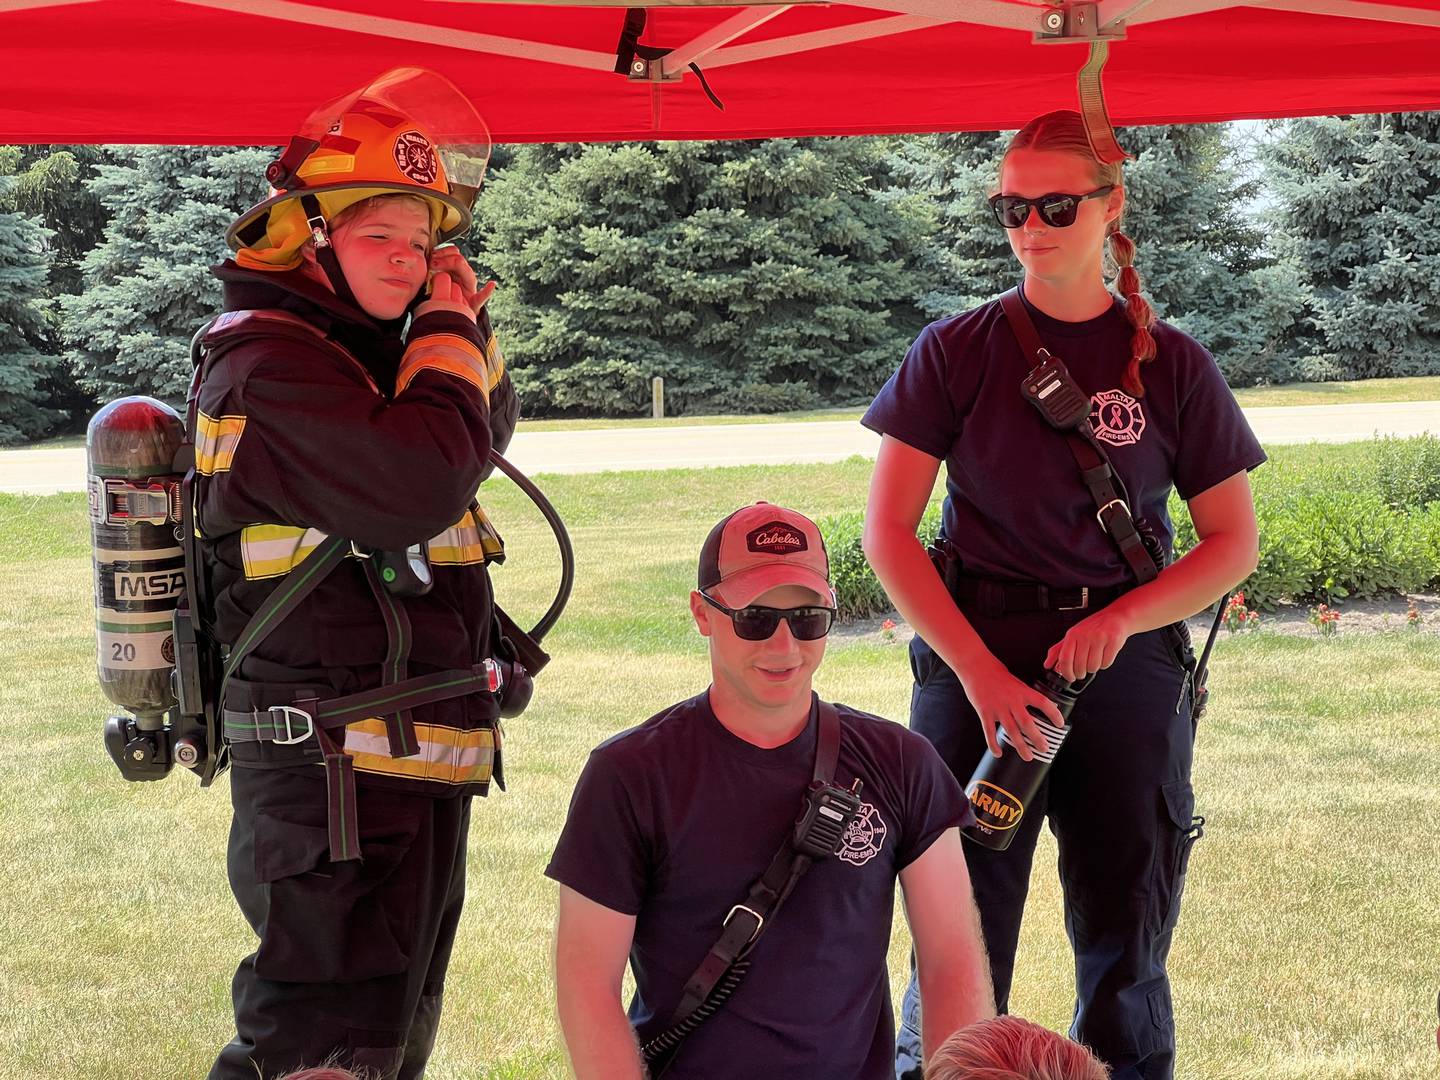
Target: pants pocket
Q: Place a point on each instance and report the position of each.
(1179, 828)
(326, 921)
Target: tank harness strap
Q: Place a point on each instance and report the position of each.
(312, 717)
(826, 815)
(399, 725)
(319, 718)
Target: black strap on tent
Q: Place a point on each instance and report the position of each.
(629, 48)
(715, 980)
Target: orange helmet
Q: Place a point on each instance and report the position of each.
(410, 132)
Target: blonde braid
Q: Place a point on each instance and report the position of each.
(1137, 310)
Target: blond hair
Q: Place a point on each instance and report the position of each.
(1063, 132)
(1009, 1048)
(364, 206)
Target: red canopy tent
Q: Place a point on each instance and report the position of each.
(245, 71)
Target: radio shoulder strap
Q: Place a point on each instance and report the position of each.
(712, 983)
(1112, 509)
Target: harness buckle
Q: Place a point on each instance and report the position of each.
(759, 920)
(1100, 514)
(290, 737)
(318, 232)
(1084, 601)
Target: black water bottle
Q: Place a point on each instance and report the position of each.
(1003, 786)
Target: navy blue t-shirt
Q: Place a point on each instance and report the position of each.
(1015, 505)
(673, 821)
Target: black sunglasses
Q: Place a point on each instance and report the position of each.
(1056, 209)
(758, 623)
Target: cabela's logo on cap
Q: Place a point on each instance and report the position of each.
(777, 538)
(415, 157)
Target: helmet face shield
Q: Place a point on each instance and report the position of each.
(433, 104)
(409, 131)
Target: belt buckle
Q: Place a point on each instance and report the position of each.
(290, 737)
(1084, 601)
(759, 919)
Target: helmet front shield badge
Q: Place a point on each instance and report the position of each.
(409, 131)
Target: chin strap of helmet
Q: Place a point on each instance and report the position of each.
(324, 250)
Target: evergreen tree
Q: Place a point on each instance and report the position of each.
(967, 253)
(24, 266)
(148, 286)
(1358, 208)
(753, 276)
(49, 185)
(1198, 251)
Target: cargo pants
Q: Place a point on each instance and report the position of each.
(1119, 802)
(352, 956)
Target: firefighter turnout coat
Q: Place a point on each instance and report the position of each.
(313, 420)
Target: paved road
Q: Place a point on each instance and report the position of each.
(46, 471)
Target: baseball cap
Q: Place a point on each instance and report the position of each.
(759, 548)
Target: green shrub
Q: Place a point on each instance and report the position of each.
(1428, 521)
(858, 591)
(1407, 472)
(1355, 546)
(1336, 522)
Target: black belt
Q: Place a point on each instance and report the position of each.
(994, 597)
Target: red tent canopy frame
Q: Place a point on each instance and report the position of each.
(246, 71)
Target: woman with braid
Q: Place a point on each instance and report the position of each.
(1024, 578)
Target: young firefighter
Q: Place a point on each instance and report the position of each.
(1032, 581)
(673, 822)
(332, 435)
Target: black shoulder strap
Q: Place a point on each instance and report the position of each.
(712, 983)
(1112, 505)
(1112, 508)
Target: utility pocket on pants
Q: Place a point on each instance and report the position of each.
(327, 921)
(1180, 827)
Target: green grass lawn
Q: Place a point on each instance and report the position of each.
(1306, 949)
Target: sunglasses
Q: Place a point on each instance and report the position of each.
(1056, 209)
(759, 623)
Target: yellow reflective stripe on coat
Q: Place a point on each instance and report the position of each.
(450, 353)
(274, 550)
(447, 755)
(494, 362)
(216, 441)
(470, 540)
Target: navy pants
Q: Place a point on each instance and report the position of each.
(352, 955)
(1119, 801)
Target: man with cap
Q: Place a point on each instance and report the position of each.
(673, 824)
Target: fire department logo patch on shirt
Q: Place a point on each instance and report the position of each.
(415, 157)
(777, 538)
(1116, 418)
(864, 838)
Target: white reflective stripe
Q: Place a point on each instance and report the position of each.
(139, 618)
(458, 545)
(274, 550)
(135, 554)
(360, 742)
(216, 439)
